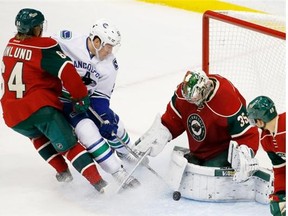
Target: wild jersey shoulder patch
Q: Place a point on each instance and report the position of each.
(115, 64)
(66, 34)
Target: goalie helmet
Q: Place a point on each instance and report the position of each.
(27, 19)
(196, 87)
(263, 108)
(107, 33)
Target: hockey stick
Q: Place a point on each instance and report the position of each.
(126, 146)
(133, 170)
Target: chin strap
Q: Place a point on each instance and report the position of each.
(96, 50)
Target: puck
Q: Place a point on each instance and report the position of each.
(176, 195)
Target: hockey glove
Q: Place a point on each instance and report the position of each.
(108, 129)
(242, 161)
(82, 105)
(156, 138)
(278, 204)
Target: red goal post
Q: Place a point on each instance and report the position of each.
(249, 49)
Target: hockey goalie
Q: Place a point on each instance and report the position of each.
(219, 164)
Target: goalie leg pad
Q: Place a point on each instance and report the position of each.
(177, 167)
(216, 184)
(263, 179)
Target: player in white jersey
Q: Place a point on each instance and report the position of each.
(93, 58)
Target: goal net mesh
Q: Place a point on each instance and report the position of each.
(250, 56)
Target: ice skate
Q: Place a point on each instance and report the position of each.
(100, 185)
(65, 176)
(121, 175)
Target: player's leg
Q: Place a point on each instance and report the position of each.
(45, 149)
(123, 146)
(56, 160)
(89, 135)
(59, 132)
(219, 160)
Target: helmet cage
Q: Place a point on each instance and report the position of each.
(196, 87)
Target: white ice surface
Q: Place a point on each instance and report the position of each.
(158, 45)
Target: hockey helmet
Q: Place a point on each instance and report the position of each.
(27, 19)
(107, 33)
(196, 86)
(263, 108)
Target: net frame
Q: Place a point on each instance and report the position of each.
(249, 49)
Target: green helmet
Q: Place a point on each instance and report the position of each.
(27, 19)
(262, 108)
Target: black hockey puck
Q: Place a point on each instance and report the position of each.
(176, 195)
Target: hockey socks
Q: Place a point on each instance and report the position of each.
(49, 154)
(83, 163)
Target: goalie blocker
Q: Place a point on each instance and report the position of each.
(216, 184)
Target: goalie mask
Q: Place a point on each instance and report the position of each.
(196, 87)
(262, 108)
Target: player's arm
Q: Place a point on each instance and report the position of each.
(279, 169)
(58, 64)
(101, 105)
(243, 148)
(241, 131)
(278, 197)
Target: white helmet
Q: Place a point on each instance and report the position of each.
(107, 33)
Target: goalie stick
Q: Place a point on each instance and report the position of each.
(127, 147)
(133, 170)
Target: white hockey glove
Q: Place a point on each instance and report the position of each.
(156, 137)
(242, 161)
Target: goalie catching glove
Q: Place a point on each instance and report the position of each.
(156, 138)
(242, 161)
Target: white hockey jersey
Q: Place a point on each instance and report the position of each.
(98, 76)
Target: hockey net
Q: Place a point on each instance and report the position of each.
(249, 49)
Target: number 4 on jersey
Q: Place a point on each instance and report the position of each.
(15, 82)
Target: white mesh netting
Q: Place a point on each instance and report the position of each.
(253, 61)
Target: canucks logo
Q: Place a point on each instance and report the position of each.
(65, 34)
(196, 127)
